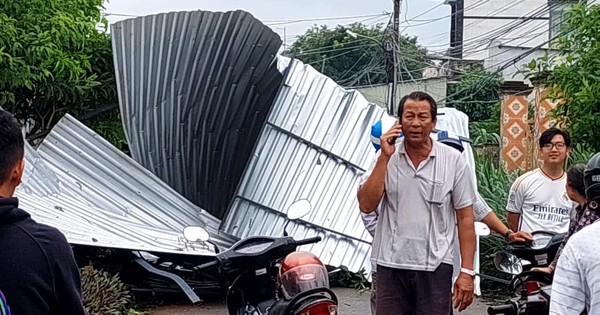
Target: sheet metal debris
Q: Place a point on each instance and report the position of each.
(194, 91)
(97, 196)
(315, 145)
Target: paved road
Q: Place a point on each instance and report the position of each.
(351, 303)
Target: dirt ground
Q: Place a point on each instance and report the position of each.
(351, 303)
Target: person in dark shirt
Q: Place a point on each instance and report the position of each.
(38, 273)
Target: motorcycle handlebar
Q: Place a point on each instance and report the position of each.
(311, 240)
(502, 309)
(207, 265)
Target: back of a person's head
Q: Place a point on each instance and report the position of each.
(591, 177)
(11, 144)
(575, 178)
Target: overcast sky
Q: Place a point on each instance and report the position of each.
(427, 19)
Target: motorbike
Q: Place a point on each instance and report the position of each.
(540, 251)
(266, 275)
(530, 289)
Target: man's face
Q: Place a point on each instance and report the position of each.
(556, 151)
(417, 122)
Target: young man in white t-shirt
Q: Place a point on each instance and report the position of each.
(538, 199)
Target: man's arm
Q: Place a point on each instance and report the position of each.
(514, 205)
(481, 209)
(513, 220)
(466, 236)
(371, 191)
(484, 213)
(464, 285)
(496, 225)
(463, 198)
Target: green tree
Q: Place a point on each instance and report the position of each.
(573, 75)
(56, 58)
(476, 94)
(357, 61)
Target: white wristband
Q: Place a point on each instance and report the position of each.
(468, 271)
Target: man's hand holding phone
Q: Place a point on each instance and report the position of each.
(388, 140)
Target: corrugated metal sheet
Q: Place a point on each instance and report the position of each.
(315, 146)
(457, 122)
(96, 195)
(194, 90)
(38, 179)
(83, 224)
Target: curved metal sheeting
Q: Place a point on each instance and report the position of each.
(315, 146)
(98, 196)
(195, 89)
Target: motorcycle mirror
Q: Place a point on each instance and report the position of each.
(295, 211)
(298, 209)
(481, 229)
(508, 263)
(195, 234)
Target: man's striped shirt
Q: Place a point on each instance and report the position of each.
(576, 284)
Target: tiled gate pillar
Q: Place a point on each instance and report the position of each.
(542, 121)
(514, 132)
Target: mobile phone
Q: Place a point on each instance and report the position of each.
(392, 141)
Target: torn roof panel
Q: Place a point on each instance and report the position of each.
(83, 224)
(104, 198)
(91, 167)
(38, 179)
(315, 146)
(194, 91)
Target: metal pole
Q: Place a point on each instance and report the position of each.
(284, 39)
(392, 60)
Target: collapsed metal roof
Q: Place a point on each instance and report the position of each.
(194, 91)
(205, 109)
(315, 146)
(96, 195)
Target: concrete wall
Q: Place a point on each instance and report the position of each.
(377, 94)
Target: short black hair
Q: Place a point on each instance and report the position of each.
(575, 178)
(547, 136)
(418, 96)
(12, 144)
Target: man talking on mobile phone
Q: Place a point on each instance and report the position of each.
(421, 189)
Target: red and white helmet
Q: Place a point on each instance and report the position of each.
(301, 271)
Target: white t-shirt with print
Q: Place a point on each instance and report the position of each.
(542, 202)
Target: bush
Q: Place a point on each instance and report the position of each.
(580, 153)
(476, 94)
(103, 293)
(493, 185)
(484, 132)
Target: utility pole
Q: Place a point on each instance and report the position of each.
(284, 39)
(456, 27)
(392, 60)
